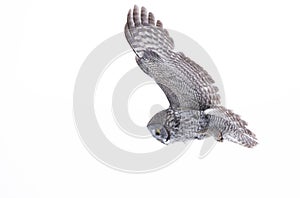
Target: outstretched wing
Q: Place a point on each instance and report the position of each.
(231, 126)
(185, 83)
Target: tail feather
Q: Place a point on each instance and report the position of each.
(240, 137)
(229, 126)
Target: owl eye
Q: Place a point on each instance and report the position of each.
(157, 132)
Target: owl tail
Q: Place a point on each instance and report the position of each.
(224, 124)
(241, 137)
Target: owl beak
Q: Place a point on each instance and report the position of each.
(167, 142)
(168, 138)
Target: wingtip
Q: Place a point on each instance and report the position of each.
(129, 19)
(144, 15)
(142, 20)
(136, 16)
(151, 18)
(159, 24)
(129, 14)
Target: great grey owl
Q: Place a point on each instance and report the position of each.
(195, 111)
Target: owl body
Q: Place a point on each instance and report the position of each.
(180, 125)
(195, 110)
(186, 124)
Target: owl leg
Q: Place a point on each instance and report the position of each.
(217, 135)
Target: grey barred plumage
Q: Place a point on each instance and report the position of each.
(195, 111)
(231, 126)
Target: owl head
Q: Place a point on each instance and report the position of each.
(157, 128)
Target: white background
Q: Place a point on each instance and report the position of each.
(255, 46)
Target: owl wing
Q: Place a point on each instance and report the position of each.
(231, 126)
(185, 83)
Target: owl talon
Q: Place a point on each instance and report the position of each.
(220, 137)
